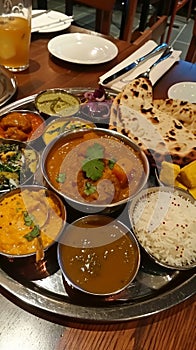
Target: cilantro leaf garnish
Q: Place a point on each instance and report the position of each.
(93, 164)
(28, 219)
(111, 163)
(58, 129)
(35, 232)
(89, 188)
(61, 177)
(94, 169)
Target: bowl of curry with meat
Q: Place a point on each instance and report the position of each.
(21, 125)
(95, 170)
(31, 220)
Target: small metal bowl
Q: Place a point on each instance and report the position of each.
(27, 130)
(57, 103)
(115, 145)
(98, 256)
(24, 156)
(64, 124)
(163, 220)
(26, 258)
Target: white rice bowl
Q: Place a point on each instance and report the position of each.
(164, 222)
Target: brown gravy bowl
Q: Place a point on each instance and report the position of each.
(95, 170)
(98, 256)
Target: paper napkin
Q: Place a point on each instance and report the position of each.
(155, 73)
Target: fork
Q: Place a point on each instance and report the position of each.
(167, 53)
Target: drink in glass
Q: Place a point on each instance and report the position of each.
(15, 34)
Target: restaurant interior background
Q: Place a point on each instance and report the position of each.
(85, 17)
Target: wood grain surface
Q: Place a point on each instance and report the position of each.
(24, 328)
(164, 331)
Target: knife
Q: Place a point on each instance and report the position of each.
(135, 64)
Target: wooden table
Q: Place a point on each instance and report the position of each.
(23, 328)
(47, 72)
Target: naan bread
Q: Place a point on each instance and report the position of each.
(184, 111)
(138, 94)
(159, 134)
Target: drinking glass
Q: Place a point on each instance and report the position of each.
(15, 34)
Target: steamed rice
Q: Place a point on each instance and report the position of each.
(165, 225)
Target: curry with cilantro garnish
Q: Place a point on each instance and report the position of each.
(94, 166)
(26, 215)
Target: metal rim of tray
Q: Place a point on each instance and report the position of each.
(114, 313)
(64, 310)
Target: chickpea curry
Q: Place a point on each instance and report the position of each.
(95, 167)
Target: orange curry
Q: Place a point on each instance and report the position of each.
(21, 126)
(95, 167)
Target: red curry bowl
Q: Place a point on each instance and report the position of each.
(21, 125)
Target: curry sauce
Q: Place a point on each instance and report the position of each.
(95, 167)
(24, 213)
(98, 255)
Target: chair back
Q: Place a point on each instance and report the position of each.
(155, 21)
(42, 4)
(191, 53)
(155, 32)
(105, 5)
(127, 21)
(104, 10)
(175, 7)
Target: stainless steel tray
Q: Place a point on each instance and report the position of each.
(155, 288)
(8, 85)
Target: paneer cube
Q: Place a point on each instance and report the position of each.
(192, 191)
(169, 172)
(187, 175)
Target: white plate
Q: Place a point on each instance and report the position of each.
(51, 20)
(185, 91)
(82, 48)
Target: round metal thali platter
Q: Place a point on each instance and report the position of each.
(63, 308)
(8, 85)
(154, 290)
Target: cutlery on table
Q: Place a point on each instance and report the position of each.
(51, 24)
(167, 53)
(135, 64)
(40, 13)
